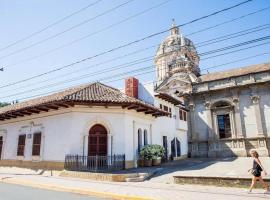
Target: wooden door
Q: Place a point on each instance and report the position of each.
(97, 141)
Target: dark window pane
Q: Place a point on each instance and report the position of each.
(166, 108)
(181, 114)
(21, 145)
(36, 144)
(185, 115)
(145, 137)
(139, 140)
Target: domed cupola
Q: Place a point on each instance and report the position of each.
(176, 54)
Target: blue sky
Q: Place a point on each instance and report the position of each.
(21, 18)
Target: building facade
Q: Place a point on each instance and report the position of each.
(90, 120)
(229, 110)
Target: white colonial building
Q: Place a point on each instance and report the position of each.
(91, 120)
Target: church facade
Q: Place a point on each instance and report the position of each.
(229, 111)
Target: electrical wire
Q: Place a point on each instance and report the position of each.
(144, 73)
(50, 25)
(127, 44)
(66, 30)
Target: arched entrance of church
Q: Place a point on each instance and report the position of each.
(97, 141)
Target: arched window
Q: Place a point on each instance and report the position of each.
(139, 140)
(145, 137)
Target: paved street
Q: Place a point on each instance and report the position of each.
(16, 192)
(143, 190)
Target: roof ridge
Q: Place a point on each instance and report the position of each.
(235, 72)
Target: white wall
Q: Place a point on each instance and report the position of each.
(65, 131)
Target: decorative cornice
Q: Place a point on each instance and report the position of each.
(255, 99)
(207, 104)
(191, 106)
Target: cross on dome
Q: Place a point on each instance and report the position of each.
(174, 29)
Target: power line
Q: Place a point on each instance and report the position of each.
(127, 44)
(145, 59)
(233, 35)
(229, 21)
(236, 45)
(88, 67)
(80, 77)
(257, 55)
(218, 55)
(67, 30)
(204, 43)
(91, 34)
(50, 25)
(106, 71)
(250, 57)
(110, 26)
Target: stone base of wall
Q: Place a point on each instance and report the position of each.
(230, 147)
(96, 176)
(129, 164)
(180, 158)
(46, 165)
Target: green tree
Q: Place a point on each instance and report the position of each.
(2, 104)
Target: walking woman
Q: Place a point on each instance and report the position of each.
(256, 171)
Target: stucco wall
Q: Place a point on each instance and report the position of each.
(65, 132)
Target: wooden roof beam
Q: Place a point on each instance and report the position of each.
(33, 111)
(132, 107)
(11, 116)
(43, 108)
(141, 109)
(62, 105)
(150, 112)
(54, 107)
(18, 114)
(25, 113)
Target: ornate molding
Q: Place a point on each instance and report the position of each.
(191, 106)
(207, 104)
(255, 99)
(235, 100)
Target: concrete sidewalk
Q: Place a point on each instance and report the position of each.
(143, 190)
(227, 167)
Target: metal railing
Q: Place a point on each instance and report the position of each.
(95, 163)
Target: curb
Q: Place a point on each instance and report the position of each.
(76, 191)
(223, 181)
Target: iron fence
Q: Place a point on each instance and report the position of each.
(95, 163)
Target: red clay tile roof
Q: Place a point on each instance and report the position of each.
(95, 93)
(235, 72)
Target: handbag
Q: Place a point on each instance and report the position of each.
(256, 172)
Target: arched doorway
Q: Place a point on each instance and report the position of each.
(97, 141)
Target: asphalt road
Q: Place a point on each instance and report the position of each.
(16, 192)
